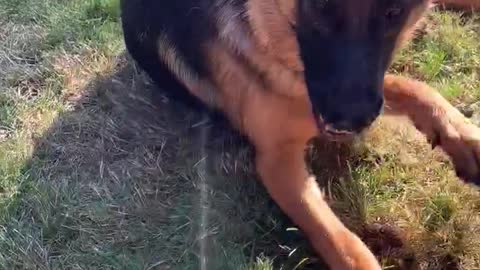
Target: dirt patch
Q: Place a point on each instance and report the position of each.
(389, 242)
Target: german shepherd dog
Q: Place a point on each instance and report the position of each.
(285, 71)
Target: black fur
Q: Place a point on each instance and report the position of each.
(187, 24)
(144, 21)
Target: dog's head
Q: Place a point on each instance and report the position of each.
(346, 47)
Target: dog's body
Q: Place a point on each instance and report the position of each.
(285, 71)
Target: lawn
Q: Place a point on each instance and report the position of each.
(99, 170)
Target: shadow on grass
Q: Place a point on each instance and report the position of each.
(129, 179)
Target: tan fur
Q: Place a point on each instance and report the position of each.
(272, 32)
(198, 87)
(437, 119)
(288, 8)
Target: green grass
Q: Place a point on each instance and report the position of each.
(99, 171)
(448, 56)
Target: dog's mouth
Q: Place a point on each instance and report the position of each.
(330, 133)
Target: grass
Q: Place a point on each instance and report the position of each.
(98, 170)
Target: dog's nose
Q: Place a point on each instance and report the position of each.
(352, 117)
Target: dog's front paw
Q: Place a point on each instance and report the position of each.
(354, 254)
(460, 139)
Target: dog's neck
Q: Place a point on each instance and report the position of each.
(271, 28)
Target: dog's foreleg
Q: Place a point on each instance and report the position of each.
(435, 117)
(283, 172)
(280, 129)
(465, 5)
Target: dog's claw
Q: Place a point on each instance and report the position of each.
(461, 141)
